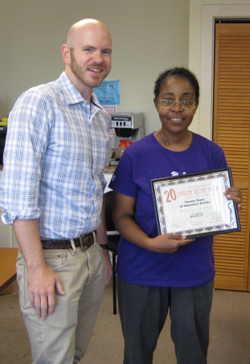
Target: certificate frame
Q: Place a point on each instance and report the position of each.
(194, 204)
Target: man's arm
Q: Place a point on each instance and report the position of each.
(41, 279)
(101, 233)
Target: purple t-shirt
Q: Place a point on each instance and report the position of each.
(189, 266)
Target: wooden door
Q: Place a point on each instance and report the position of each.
(231, 130)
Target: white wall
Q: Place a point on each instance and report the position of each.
(148, 37)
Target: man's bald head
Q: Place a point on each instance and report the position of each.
(84, 24)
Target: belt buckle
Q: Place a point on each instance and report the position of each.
(84, 245)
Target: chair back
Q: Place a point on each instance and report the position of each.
(108, 198)
(112, 233)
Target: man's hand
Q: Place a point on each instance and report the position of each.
(107, 265)
(42, 283)
(41, 279)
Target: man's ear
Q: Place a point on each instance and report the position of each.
(66, 53)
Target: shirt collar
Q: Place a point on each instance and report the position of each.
(72, 95)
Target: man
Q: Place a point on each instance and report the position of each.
(52, 192)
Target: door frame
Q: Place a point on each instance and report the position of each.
(203, 33)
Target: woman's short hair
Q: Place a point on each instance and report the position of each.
(177, 72)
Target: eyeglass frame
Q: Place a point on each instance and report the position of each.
(177, 102)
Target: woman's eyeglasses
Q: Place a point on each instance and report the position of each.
(170, 104)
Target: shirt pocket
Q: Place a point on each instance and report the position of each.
(56, 260)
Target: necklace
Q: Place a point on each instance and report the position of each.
(163, 139)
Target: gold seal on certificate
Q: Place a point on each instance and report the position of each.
(194, 204)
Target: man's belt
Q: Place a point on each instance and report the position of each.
(84, 242)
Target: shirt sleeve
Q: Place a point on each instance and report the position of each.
(26, 143)
(223, 162)
(122, 180)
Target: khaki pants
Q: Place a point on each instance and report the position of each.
(64, 336)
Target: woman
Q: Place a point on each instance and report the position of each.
(161, 272)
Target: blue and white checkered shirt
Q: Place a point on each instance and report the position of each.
(56, 149)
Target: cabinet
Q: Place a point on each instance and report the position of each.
(7, 236)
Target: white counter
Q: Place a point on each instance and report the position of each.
(108, 173)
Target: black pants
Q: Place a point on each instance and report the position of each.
(143, 312)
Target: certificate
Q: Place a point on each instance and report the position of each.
(194, 204)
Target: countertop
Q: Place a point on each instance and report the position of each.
(110, 169)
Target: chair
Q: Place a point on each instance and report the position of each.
(113, 241)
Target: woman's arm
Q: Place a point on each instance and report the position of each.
(123, 217)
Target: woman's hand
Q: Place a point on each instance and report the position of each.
(124, 207)
(167, 243)
(234, 194)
